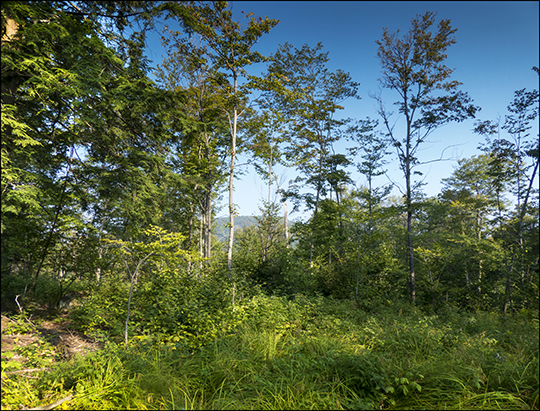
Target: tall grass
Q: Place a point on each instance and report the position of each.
(313, 353)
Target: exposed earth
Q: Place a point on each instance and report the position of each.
(57, 331)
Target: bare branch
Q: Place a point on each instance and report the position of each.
(394, 183)
(53, 405)
(441, 158)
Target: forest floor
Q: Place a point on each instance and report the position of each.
(310, 353)
(46, 339)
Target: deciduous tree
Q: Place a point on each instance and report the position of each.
(511, 162)
(413, 66)
(313, 103)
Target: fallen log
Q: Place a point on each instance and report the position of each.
(28, 370)
(51, 406)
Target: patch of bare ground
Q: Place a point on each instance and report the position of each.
(56, 331)
(68, 341)
(42, 326)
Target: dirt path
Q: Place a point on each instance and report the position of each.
(57, 332)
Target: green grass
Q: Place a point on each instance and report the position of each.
(310, 353)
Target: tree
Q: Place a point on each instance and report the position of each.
(314, 99)
(81, 129)
(265, 132)
(510, 165)
(166, 246)
(200, 152)
(261, 249)
(51, 67)
(413, 66)
(371, 148)
(473, 197)
(232, 52)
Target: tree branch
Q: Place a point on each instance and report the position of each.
(441, 157)
(52, 405)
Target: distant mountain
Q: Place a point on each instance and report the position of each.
(221, 231)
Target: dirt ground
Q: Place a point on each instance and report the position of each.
(57, 332)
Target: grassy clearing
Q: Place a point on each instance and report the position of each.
(307, 354)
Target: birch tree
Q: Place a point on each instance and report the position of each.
(232, 54)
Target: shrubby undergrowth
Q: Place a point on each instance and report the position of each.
(304, 352)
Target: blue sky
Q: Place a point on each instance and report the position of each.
(497, 44)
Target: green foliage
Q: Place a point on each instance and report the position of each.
(18, 325)
(168, 300)
(261, 252)
(413, 66)
(108, 183)
(309, 353)
(103, 311)
(314, 97)
(79, 138)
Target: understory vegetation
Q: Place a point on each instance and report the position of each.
(294, 353)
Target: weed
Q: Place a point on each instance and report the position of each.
(302, 353)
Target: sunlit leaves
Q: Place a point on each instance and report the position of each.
(413, 68)
(310, 99)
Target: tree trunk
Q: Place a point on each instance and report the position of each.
(315, 211)
(522, 211)
(508, 288)
(201, 244)
(231, 187)
(129, 308)
(231, 204)
(410, 247)
(133, 278)
(286, 222)
(190, 237)
(100, 257)
(208, 227)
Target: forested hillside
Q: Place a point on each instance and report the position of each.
(111, 171)
(221, 230)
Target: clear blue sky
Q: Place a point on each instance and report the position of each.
(497, 46)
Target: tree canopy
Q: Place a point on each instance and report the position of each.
(112, 170)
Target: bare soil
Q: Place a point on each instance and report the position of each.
(57, 331)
